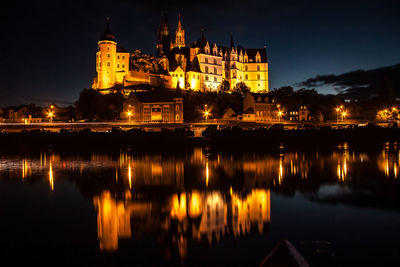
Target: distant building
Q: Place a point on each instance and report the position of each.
(301, 114)
(155, 106)
(200, 66)
(261, 106)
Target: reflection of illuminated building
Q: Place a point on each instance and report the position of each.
(389, 161)
(114, 219)
(253, 209)
(213, 219)
(342, 159)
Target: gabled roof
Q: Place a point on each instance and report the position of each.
(264, 96)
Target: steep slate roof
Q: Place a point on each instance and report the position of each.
(120, 49)
(252, 52)
(194, 65)
(107, 34)
(161, 95)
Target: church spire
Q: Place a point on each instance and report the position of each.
(180, 34)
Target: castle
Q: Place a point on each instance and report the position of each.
(200, 66)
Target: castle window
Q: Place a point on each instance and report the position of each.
(206, 69)
(215, 71)
(198, 77)
(246, 77)
(177, 108)
(206, 60)
(123, 66)
(215, 61)
(108, 55)
(181, 75)
(123, 57)
(117, 65)
(177, 117)
(108, 63)
(246, 68)
(206, 78)
(118, 57)
(215, 79)
(258, 76)
(258, 67)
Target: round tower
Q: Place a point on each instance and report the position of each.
(106, 59)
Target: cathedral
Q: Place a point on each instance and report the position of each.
(200, 66)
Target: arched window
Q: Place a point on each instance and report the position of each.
(245, 68)
(206, 60)
(215, 71)
(258, 67)
(206, 69)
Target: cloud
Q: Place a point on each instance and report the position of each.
(359, 81)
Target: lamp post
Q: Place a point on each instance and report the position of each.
(344, 114)
(50, 115)
(279, 115)
(206, 112)
(337, 115)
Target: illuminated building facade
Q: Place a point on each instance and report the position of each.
(155, 106)
(200, 66)
(259, 107)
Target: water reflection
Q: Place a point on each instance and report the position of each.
(205, 197)
(192, 215)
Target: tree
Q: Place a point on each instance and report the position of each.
(241, 88)
(224, 86)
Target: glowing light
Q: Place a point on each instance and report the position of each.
(280, 176)
(50, 114)
(129, 114)
(178, 210)
(130, 176)
(195, 204)
(206, 112)
(51, 178)
(207, 174)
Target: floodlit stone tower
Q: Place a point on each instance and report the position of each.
(106, 59)
(180, 35)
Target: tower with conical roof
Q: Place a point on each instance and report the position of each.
(180, 34)
(106, 59)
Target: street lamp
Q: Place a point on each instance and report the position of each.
(50, 115)
(129, 113)
(337, 114)
(344, 114)
(279, 115)
(206, 112)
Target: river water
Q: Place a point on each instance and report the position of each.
(338, 206)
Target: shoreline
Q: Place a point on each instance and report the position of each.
(235, 139)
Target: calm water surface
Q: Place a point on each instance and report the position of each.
(339, 207)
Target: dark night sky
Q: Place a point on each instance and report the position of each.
(48, 47)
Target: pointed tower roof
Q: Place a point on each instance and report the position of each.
(180, 28)
(107, 34)
(232, 44)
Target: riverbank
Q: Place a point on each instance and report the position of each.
(233, 139)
